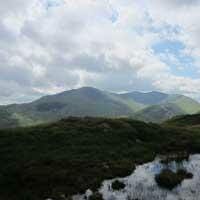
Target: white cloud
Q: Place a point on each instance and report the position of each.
(49, 46)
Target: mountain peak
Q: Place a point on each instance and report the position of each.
(89, 101)
(157, 92)
(147, 93)
(87, 88)
(82, 89)
(147, 98)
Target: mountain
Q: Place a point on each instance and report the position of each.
(169, 107)
(158, 113)
(85, 101)
(186, 104)
(6, 120)
(149, 98)
(88, 101)
(69, 156)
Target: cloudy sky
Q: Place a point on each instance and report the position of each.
(47, 46)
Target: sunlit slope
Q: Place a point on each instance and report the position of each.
(81, 102)
(174, 105)
(88, 101)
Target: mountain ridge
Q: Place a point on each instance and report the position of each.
(88, 101)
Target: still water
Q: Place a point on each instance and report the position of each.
(141, 185)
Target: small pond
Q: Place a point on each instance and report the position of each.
(141, 184)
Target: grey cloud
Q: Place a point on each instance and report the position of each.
(178, 3)
(7, 35)
(73, 46)
(11, 92)
(118, 82)
(184, 2)
(90, 62)
(21, 76)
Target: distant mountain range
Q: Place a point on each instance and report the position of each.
(88, 101)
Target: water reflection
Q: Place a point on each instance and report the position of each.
(141, 184)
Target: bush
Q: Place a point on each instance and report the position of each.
(169, 179)
(118, 185)
(185, 174)
(96, 196)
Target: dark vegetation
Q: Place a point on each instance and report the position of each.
(96, 196)
(118, 185)
(178, 157)
(75, 154)
(169, 179)
(185, 121)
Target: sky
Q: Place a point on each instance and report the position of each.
(48, 46)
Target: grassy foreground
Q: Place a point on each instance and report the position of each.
(75, 154)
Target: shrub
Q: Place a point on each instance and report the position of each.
(96, 196)
(169, 179)
(118, 185)
(185, 174)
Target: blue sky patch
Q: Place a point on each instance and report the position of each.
(52, 3)
(171, 53)
(172, 46)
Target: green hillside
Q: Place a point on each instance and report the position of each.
(146, 98)
(87, 101)
(186, 104)
(158, 113)
(81, 102)
(75, 154)
(6, 119)
(131, 103)
(173, 105)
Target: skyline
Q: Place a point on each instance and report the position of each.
(49, 46)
